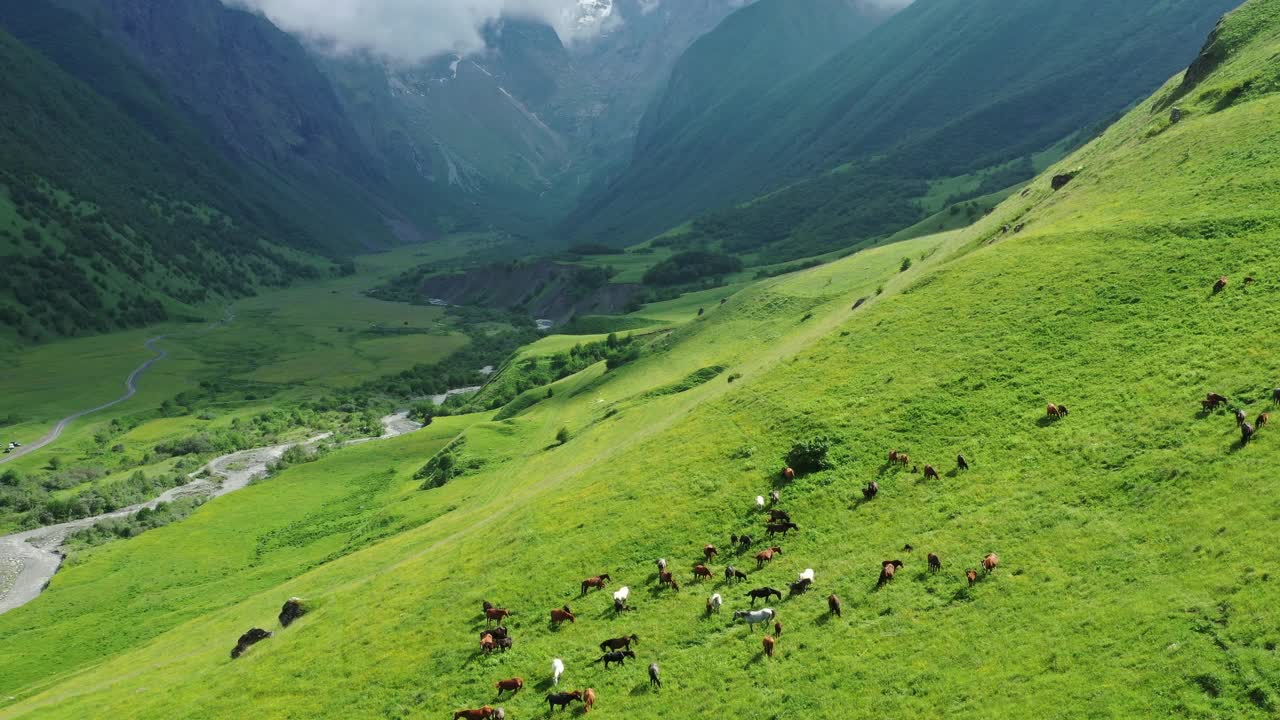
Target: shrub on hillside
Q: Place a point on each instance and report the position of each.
(690, 267)
(809, 455)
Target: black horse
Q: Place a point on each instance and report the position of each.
(618, 657)
(763, 593)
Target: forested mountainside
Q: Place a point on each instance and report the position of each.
(852, 149)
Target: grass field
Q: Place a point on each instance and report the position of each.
(1136, 535)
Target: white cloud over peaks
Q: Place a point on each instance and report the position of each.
(413, 30)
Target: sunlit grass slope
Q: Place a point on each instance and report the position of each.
(1136, 536)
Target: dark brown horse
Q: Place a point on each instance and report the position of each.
(709, 551)
(930, 473)
(888, 569)
(513, 686)
(788, 474)
(701, 572)
(1221, 284)
(834, 606)
(935, 563)
(666, 578)
(496, 614)
(598, 582)
(1056, 412)
(783, 527)
(619, 643)
(779, 516)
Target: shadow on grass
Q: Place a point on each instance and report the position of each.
(823, 619)
(754, 659)
(544, 685)
(643, 689)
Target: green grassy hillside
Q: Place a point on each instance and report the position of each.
(1135, 535)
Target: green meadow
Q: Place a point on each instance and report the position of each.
(1136, 535)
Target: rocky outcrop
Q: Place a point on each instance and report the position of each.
(248, 640)
(293, 609)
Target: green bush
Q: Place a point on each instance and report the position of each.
(809, 455)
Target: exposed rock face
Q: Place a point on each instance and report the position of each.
(1176, 115)
(1061, 181)
(248, 640)
(293, 609)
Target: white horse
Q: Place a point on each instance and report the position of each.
(760, 501)
(752, 617)
(714, 602)
(807, 575)
(620, 598)
(557, 669)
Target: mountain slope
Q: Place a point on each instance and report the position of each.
(116, 214)
(1135, 534)
(944, 88)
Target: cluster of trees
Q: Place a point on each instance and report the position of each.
(534, 372)
(691, 267)
(133, 525)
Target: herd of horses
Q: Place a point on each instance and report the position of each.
(616, 651)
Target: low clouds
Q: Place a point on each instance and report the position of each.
(408, 31)
(413, 30)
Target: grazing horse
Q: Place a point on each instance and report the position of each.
(834, 606)
(777, 629)
(762, 593)
(972, 575)
(1240, 417)
(597, 582)
(713, 603)
(514, 685)
(904, 459)
(487, 644)
(733, 574)
(742, 541)
(760, 501)
(779, 516)
(961, 462)
(497, 633)
(559, 616)
(1221, 284)
(788, 474)
(774, 497)
(666, 578)
(488, 606)
(769, 642)
(800, 586)
(888, 569)
(991, 562)
(618, 657)
(654, 680)
(782, 527)
(563, 699)
(935, 563)
(496, 614)
(871, 490)
(557, 669)
(709, 551)
(765, 556)
(505, 644)
(620, 599)
(619, 643)
(1275, 396)
(248, 640)
(588, 700)
(807, 574)
(662, 564)
(893, 456)
(481, 713)
(1056, 412)
(701, 572)
(1246, 433)
(755, 616)
(1263, 419)
(930, 473)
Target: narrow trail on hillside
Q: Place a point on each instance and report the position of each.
(29, 559)
(130, 389)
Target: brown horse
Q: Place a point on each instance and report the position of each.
(777, 629)
(597, 582)
(904, 459)
(487, 644)
(834, 606)
(1263, 419)
(991, 562)
(701, 572)
(888, 569)
(779, 516)
(496, 614)
(1056, 412)
(765, 556)
(560, 615)
(769, 642)
(666, 578)
(972, 576)
(588, 700)
(709, 551)
(893, 456)
(1221, 284)
(619, 643)
(788, 474)
(513, 685)
(930, 473)
(477, 714)
(935, 563)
